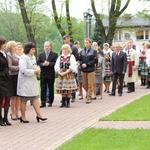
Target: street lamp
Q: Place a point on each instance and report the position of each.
(88, 16)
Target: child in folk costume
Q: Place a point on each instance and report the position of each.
(66, 66)
(143, 69)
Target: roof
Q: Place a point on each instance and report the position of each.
(136, 22)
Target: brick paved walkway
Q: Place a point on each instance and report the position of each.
(63, 123)
(122, 124)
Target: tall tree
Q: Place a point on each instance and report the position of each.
(58, 19)
(114, 13)
(69, 23)
(97, 37)
(26, 21)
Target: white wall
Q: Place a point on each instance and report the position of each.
(132, 33)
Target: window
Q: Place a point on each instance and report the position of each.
(117, 36)
(142, 35)
(146, 35)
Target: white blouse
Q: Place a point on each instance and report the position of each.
(73, 63)
(148, 57)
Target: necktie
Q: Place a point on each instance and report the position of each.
(117, 56)
(47, 55)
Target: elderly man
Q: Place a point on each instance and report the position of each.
(118, 69)
(46, 61)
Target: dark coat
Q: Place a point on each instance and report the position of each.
(6, 88)
(119, 65)
(90, 59)
(47, 71)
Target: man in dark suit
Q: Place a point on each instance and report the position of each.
(46, 61)
(118, 69)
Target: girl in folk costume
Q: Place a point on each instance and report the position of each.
(143, 69)
(131, 75)
(147, 45)
(107, 53)
(66, 66)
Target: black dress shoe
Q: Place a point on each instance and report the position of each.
(112, 94)
(49, 105)
(7, 122)
(2, 123)
(43, 105)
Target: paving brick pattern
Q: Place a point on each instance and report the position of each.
(122, 124)
(64, 123)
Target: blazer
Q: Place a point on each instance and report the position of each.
(13, 63)
(118, 65)
(47, 71)
(6, 88)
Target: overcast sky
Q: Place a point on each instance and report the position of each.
(80, 6)
(77, 7)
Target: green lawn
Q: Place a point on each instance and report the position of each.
(109, 139)
(137, 110)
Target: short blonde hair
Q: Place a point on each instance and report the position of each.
(67, 46)
(9, 45)
(19, 43)
(147, 44)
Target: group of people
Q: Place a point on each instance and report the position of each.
(89, 68)
(18, 81)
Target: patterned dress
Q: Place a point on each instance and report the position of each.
(142, 68)
(107, 61)
(66, 84)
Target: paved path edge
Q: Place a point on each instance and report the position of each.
(90, 124)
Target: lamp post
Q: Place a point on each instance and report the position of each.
(88, 16)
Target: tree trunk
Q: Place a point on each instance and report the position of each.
(57, 19)
(69, 23)
(27, 22)
(114, 14)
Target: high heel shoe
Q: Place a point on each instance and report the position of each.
(13, 118)
(23, 121)
(7, 122)
(42, 119)
(2, 123)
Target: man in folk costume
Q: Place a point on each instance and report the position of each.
(131, 75)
